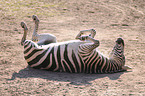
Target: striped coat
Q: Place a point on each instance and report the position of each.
(72, 56)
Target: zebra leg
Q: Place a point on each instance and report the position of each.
(23, 25)
(126, 68)
(87, 47)
(36, 21)
(42, 39)
(92, 31)
(45, 42)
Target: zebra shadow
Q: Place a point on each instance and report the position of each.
(73, 78)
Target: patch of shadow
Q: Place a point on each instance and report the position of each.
(73, 78)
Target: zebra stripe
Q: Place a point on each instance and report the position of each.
(54, 58)
(97, 63)
(73, 57)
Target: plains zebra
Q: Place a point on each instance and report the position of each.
(73, 56)
(44, 38)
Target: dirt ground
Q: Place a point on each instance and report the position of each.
(65, 18)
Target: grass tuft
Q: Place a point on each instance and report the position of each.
(22, 8)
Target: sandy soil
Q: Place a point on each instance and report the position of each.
(65, 18)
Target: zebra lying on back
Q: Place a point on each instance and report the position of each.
(74, 56)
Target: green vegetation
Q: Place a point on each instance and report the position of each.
(20, 8)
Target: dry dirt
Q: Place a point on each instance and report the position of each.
(65, 18)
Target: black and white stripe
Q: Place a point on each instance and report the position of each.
(53, 57)
(73, 56)
(97, 63)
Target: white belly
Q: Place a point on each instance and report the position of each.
(71, 45)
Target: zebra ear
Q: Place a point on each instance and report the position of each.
(127, 68)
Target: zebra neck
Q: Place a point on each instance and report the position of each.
(116, 63)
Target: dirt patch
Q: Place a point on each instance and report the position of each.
(65, 18)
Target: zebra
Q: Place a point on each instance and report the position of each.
(75, 56)
(41, 39)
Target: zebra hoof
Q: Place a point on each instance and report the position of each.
(34, 17)
(22, 24)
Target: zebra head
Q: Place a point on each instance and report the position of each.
(118, 50)
(120, 42)
(117, 53)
